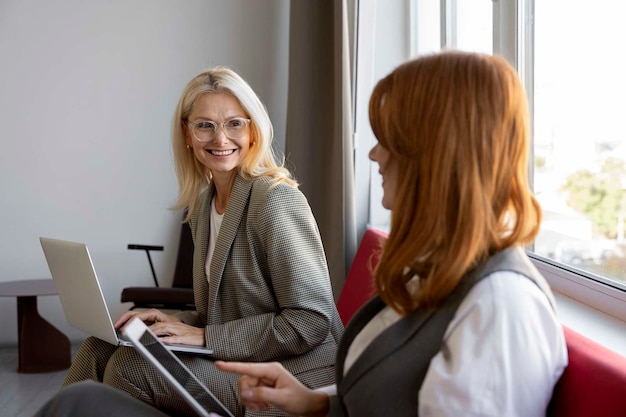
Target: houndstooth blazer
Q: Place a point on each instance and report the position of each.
(269, 295)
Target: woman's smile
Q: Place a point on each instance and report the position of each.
(216, 152)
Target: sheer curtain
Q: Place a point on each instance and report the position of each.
(319, 141)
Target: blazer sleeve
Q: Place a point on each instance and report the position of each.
(288, 245)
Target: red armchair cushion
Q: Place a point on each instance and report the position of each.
(594, 382)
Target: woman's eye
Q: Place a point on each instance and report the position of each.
(206, 125)
(235, 123)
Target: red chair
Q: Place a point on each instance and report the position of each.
(359, 285)
(594, 382)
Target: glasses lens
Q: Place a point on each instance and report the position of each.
(204, 131)
(235, 128)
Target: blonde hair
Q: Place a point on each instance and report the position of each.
(193, 177)
(457, 123)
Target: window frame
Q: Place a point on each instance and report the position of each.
(582, 288)
(513, 39)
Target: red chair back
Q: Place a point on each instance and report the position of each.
(359, 285)
(594, 382)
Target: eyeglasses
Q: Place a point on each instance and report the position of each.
(206, 130)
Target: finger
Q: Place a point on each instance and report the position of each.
(174, 329)
(163, 329)
(148, 316)
(255, 406)
(263, 396)
(269, 371)
(246, 383)
(151, 316)
(123, 319)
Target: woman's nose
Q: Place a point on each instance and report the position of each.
(372, 153)
(220, 136)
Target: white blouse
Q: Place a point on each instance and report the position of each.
(502, 353)
(216, 223)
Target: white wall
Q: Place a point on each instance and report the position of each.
(87, 91)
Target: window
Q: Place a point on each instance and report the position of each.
(466, 25)
(580, 136)
(568, 54)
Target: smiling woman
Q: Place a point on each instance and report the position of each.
(260, 279)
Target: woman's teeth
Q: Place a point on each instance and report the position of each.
(221, 153)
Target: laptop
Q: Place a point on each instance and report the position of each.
(81, 296)
(201, 399)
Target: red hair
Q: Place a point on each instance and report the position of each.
(457, 123)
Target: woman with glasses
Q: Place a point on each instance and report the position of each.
(261, 284)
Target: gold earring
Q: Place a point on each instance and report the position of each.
(188, 147)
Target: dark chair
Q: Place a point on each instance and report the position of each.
(177, 297)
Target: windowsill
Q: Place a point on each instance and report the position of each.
(602, 328)
(591, 308)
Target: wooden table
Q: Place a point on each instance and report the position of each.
(41, 346)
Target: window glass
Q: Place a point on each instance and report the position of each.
(474, 29)
(428, 26)
(580, 135)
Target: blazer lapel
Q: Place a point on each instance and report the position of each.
(233, 215)
(203, 228)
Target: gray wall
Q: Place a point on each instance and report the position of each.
(87, 91)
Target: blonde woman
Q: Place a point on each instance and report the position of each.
(261, 283)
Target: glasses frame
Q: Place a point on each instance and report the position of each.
(218, 125)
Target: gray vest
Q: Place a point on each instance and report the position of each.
(386, 378)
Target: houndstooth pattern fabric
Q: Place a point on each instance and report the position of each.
(269, 299)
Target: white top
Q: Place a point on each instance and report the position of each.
(502, 352)
(216, 223)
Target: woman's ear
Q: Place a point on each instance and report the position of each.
(186, 134)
